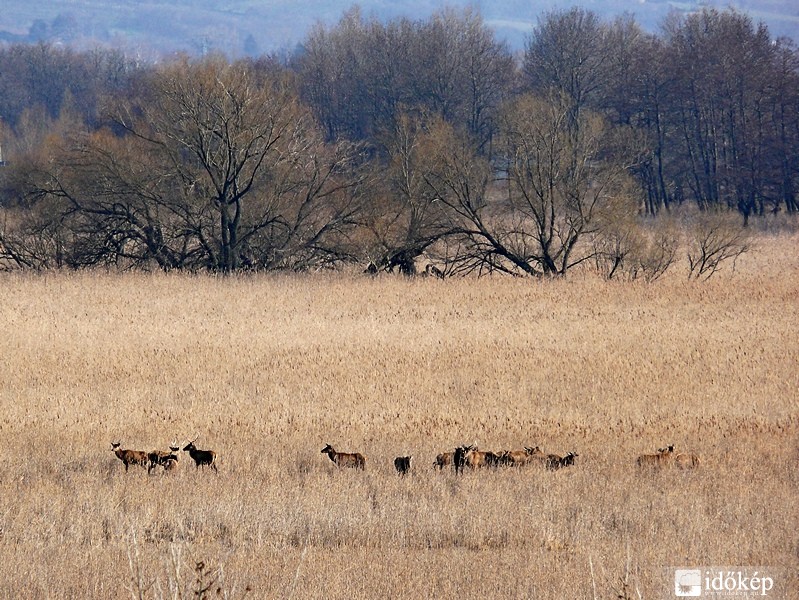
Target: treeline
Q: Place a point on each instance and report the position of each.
(383, 142)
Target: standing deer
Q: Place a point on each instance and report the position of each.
(444, 459)
(403, 464)
(345, 459)
(130, 457)
(461, 457)
(201, 457)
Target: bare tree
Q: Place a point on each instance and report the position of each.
(567, 53)
(361, 75)
(562, 184)
(567, 180)
(319, 201)
(716, 238)
(632, 249)
(223, 134)
(407, 217)
(785, 123)
(32, 230)
(461, 72)
(725, 69)
(212, 166)
(243, 151)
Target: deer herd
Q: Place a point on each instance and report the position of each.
(168, 459)
(463, 457)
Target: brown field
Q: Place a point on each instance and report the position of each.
(269, 369)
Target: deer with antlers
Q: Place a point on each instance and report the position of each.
(201, 457)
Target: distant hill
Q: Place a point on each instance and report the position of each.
(250, 27)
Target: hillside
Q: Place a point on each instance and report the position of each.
(239, 27)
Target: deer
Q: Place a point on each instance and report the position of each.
(129, 457)
(371, 269)
(519, 458)
(165, 458)
(433, 271)
(555, 462)
(568, 460)
(201, 457)
(496, 459)
(403, 464)
(477, 459)
(345, 459)
(663, 458)
(444, 459)
(470, 456)
(459, 457)
(685, 460)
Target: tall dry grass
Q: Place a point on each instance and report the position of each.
(267, 370)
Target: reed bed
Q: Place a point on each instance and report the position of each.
(267, 370)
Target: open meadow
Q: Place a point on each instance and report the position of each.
(268, 369)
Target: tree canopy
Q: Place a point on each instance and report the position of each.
(403, 141)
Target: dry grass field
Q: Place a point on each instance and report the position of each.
(267, 370)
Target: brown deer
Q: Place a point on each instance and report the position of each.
(477, 459)
(345, 459)
(403, 464)
(519, 458)
(496, 459)
(472, 457)
(684, 460)
(201, 457)
(129, 457)
(663, 458)
(164, 458)
(555, 462)
(444, 460)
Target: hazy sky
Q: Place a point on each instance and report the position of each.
(238, 26)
